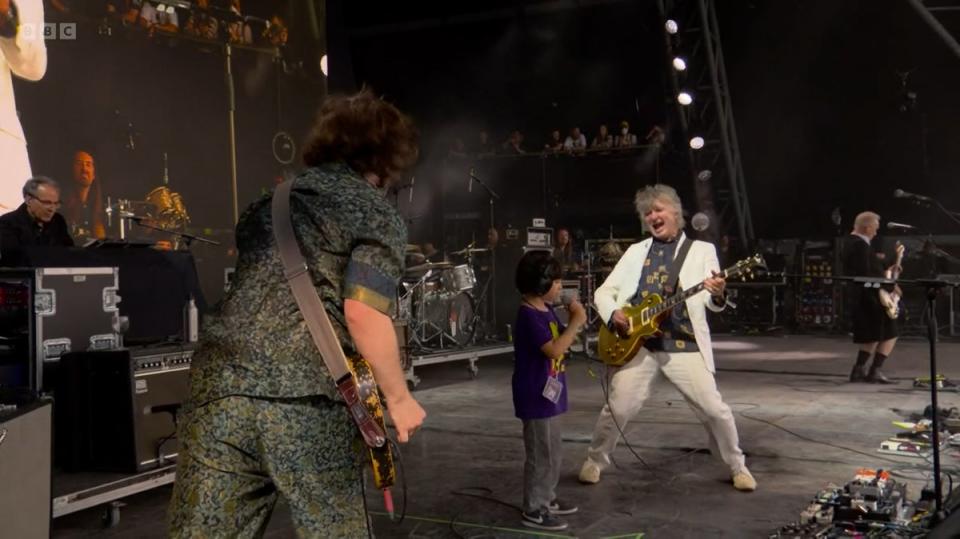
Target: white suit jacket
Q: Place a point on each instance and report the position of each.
(617, 290)
(26, 57)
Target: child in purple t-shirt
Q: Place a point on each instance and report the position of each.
(540, 343)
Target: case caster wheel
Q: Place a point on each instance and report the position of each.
(111, 514)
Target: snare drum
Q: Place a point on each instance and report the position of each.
(459, 279)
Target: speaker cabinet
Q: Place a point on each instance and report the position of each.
(115, 410)
(25, 454)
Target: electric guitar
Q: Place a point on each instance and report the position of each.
(891, 300)
(644, 319)
(364, 392)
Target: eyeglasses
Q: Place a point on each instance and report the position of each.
(47, 203)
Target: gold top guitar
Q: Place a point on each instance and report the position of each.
(644, 319)
(891, 299)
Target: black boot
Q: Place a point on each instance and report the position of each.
(876, 375)
(859, 372)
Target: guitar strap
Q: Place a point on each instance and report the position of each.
(297, 274)
(673, 278)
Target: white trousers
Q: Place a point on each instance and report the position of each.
(630, 386)
(14, 172)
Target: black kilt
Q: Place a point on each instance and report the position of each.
(870, 320)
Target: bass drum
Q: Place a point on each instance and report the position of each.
(448, 317)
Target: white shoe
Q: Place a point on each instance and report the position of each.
(743, 481)
(590, 472)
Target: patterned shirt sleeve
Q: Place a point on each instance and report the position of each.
(376, 263)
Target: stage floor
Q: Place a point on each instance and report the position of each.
(472, 442)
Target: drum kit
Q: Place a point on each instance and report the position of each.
(439, 300)
(162, 209)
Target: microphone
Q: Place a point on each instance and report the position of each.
(470, 183)
(891, 225)
(900, 193)
(413, 180)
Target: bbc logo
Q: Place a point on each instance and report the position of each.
(66, 31)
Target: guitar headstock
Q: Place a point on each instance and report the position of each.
(746, 268)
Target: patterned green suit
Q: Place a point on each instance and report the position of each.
(263, 416)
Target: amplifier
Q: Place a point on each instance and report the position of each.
(116, 410)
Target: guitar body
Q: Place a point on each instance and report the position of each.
(891, 300)
(615, 349)
(381, 458)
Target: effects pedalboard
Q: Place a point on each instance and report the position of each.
(871, 505)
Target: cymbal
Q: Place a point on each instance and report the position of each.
(412, 248)
(429, 266)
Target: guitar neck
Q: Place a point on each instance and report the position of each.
(677, 299)
(898, 262)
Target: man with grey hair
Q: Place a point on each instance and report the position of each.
(873, 330)
(36, 222)
(683, 351)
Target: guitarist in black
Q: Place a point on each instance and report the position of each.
(873, 330)
(683, 353)
(264, 417)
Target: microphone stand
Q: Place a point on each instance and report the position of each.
(493, 257)
(189, 238)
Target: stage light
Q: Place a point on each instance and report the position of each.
(684, 98)
(696, 143)
(161, 8)
(679, 64)
(671, 26)
(705, 175)
(700, 222)
(323, 65)
(171, 10)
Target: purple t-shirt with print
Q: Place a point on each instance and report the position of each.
(531, 368)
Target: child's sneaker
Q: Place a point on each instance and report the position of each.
(559, 507)
(543, 520)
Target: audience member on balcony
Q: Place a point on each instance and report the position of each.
(153, 19)
(238, 30)
(202, 23)
(625, 139)
(514, 143)
(276, 33)
(556, 143)
(484, 146)
(576, 142)
(603, 140)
